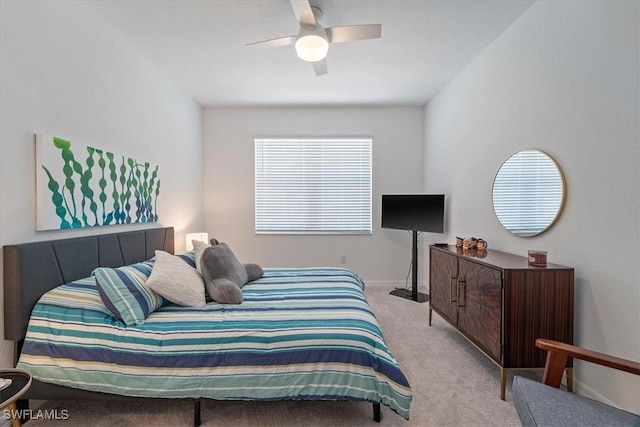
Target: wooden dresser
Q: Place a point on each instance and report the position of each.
(502, 305)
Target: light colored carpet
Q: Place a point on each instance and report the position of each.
(453, 385)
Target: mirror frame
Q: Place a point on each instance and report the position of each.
(562, 202)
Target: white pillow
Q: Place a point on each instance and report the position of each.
(176, 280)
(199, 247)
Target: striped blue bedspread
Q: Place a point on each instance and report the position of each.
(304, 334)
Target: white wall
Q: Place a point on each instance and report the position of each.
(229, 184)
(565, 79)
(66, 72)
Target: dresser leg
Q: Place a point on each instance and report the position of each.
(569, 372)
(430, 314)
(503, 383)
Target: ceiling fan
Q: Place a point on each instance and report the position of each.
(312, 41)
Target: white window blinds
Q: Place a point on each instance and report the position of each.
(527, 192)
(313, 185)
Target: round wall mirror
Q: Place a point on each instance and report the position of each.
(528, 193)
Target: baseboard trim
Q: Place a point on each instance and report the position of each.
(586, 391)
(393, 285)
(383, 283)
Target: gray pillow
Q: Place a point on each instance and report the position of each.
(224, 265)
(254, 272)
(223, 274)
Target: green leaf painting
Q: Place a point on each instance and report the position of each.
(81, 186)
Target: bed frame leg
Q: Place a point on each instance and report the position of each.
(377, 415)
(196, 412)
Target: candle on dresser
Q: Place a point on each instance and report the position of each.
(537, 258)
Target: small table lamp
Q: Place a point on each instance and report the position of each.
(202, 237)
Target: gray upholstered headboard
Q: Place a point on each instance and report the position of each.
(31, 269)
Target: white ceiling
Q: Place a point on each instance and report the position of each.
(201, 46)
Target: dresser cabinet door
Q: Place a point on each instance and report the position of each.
(479, 305)
(443, 282)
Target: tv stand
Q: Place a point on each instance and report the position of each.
(412, 294)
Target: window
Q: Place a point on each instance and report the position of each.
(313, 185)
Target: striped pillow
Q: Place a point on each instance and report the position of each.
(189, 258)
(124, 293)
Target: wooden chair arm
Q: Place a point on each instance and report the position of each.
(558, 353)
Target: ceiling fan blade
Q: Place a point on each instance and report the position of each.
(304, 13)
(348, 33)
(280, 41)
(320, 67)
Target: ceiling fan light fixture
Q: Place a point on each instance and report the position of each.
(312, 45)
(312, 41)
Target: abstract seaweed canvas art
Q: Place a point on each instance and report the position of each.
(81, 186)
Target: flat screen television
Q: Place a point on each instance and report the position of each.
(415, 212)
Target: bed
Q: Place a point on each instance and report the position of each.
(305, 334)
